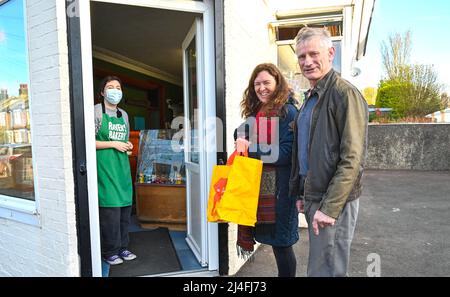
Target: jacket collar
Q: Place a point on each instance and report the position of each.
(324, 83)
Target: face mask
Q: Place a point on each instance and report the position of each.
(113, 96)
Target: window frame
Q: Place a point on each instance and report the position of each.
(16, 208)
(331, 16)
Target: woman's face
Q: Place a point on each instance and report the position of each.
(265, 85)
(113, 84)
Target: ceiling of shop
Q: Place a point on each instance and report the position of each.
(150, 36)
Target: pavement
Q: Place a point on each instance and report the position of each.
(403, 225)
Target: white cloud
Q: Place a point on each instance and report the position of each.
(2, 36)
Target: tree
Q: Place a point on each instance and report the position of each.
(396, 54)
(391, 94)
(370, 95)
(411, 90)
(445, 101)
(424, 94)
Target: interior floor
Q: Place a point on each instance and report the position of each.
(185, 256)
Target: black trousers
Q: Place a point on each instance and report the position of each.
(114, 222)
(286, 262)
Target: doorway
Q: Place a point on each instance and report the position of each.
(152, 49)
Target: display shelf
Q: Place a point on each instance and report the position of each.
(158, 185)
(160, 158)
(160, 181)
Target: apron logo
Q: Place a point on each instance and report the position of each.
(117, 131)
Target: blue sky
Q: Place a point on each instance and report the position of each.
(429, 23)
(13, 58)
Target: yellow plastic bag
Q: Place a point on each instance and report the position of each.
(218, 182)
(234, 191)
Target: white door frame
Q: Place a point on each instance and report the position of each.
(206, 8)
(199, 248)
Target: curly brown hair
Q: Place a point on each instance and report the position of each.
(250, 103)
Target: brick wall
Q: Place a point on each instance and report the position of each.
(49, 249)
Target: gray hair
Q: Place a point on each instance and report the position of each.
(306, 33)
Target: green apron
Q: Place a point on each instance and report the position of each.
(113, 167)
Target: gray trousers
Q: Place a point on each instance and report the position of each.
(329, 252)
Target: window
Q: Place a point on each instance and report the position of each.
(286, 30)
(16, 166)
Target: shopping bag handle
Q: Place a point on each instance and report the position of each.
(234, 154)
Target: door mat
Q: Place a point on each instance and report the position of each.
(155, 254)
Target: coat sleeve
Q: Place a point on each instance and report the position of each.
(351, 115)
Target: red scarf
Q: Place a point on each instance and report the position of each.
(264, 129)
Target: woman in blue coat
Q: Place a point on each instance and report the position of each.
(267, 133)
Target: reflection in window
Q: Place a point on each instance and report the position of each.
(191, 53)
(337, 56)
(289, 31)
(287, 59)
(288, 65)
(16, 167)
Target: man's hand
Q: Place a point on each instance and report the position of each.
(321, 220)
(300, 205)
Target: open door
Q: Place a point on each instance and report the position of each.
(200, 147)
(194, 139)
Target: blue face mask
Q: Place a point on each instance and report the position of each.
(113, 96)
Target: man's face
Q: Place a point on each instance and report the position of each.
(315, 59)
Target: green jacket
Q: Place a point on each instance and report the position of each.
(337, 146)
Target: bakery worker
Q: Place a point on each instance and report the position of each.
(115, 188)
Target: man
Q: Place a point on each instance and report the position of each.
(330, 136)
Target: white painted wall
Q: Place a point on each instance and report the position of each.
(50, 248)
(247, 43)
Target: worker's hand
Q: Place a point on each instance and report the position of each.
(121, 146)
(321, 220)
(130, 146)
